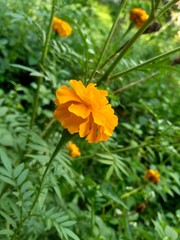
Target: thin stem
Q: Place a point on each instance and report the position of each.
(130, 193)
(124, 50)
(129, 148)
(50, 128)
(136, 82)
(127, 228)
(112, 55)
(66, 136)
(121, 6)
(92, 216)
(144, 63)
(151, 18)
(42, 63)
(166, 7)
(157, 2)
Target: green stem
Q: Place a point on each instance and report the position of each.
(136, 82)
(131, 192)
(151, 18)
(130, 148)
(66, 136)
(42, 63)
(50, 128)
(124, 50)
(127, 228)
(144, 63)
(112, 55)
(92, 216)
(121, 6)
(166, 7)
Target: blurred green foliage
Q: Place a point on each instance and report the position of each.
(101, 195)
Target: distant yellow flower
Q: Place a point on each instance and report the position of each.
(139, 16)
(152, 175)
(61, 27)
(73, 149)
(85, 110)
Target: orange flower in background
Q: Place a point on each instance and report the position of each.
(85, 110)
(61, 27)
(139, 16)
(73, 150)
(152, 175)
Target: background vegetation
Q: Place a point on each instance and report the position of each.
(101, 194)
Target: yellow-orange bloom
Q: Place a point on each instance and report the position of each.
(139, 16)
(152, 175)
(85, 110)
(61, 27)
(73, 149)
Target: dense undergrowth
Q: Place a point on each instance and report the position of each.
(105, 192)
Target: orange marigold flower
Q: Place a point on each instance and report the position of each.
(139, 16)
(152, 175)
(73, 149)
(85, 110)
(61, 27)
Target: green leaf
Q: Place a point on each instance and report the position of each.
(3, 111)
(28, 194)
(158, 229)
(40, 158)
(109, 172)
(22, 177)
(107, 162)
(8, 219)
(6, 161)
(68, 223)
(37, 74)
(6, 232)
(5, 172)
(25, 186)
(170, 232)
(60, 219)
(109, 192)
(71, 234)
(7, 180)
(18, 170)
(23, 67)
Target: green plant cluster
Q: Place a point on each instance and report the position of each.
(102, 194)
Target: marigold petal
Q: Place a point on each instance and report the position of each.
(78, 87)
(85, 127)
(64, 94)
(62, 112)
(106, 118)
(91, 137)
(80, 110)
(72, 123)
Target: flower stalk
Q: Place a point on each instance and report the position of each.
(124, 50)
(151, 18)
(121, 6)
(152, 60)
(42, 63)
(65, 138)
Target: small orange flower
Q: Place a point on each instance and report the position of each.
(139, 16)
(85, 110)
(61, 27)
(73, 149)
(152, 175)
